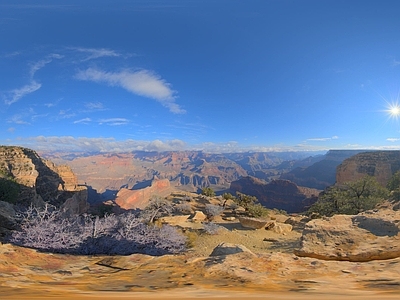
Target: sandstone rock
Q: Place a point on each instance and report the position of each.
(363, 237)
(228, 248)
(282, 228)
(252, 223)
(132, 199)
(321, 173)
(240, 209)
(229, 218)
(7, 217)
(77, 204)
(38, 179)
(380, 164)
(174, 220)
(297, 221)
(198, 216)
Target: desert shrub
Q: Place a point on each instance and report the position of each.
(9, 190)
(207, 191)
(244, 200)
(211, 228)
(257, 210)
(187, 198)
(157, 208)
(350, 198)
(49, 230)
(227, 196)
(103, 209)
(183, 208)
(393, 186)
(213, 210)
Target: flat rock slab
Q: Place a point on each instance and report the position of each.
(372, 235)
(252, 223)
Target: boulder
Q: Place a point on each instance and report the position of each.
(173, 220)
(252, 223)
(77, 204)
(198, 216)
(372, 235)
(282, 228)
(7, 217)
(228, 248)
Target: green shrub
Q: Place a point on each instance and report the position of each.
(257, 210)
(9, 190)
(207, 191)
(350, 198)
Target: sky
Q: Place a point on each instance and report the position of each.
(212, 75)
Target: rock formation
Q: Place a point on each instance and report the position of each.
(252, 223)
(322, 173)
(380, 164)
(187, 170)
(132, 199)
(372, 235)
(36, 180)
(280, 194)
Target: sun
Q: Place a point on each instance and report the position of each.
(393, 110)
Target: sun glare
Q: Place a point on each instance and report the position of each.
(393, 110)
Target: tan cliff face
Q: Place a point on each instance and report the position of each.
(380, 164)
(38, 179)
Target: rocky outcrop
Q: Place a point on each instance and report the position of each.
(36, 180)
(372, 235)
(132, 199)
(7, 218)
(252, 223)
(380, 164)
(280, 194)
(229, 249)
(322, 173)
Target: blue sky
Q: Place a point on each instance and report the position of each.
(220, 75)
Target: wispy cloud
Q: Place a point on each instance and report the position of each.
(16, 94)
(143, 83)
(18, 119)
(93, 53)
(393, 139)
(41, 63)
(395, 63)
(323, 139)
(69, 143)
(83, 121)
(114, 121)
(93, 106)
(66, 114)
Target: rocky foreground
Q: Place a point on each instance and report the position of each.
(237, 263)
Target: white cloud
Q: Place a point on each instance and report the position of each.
(143, 83)
(393, 139)
(335, 137)
(17, 119)
(41, 63)
(395, 63)
(69, 143)
(96, 53)
(94, 106)
(85, 144)
(114, 121)
(16, 94)
(84, 121)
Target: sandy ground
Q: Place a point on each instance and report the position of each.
(273, 273)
